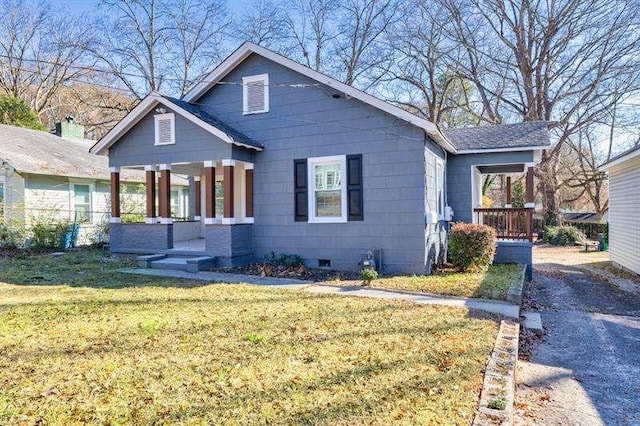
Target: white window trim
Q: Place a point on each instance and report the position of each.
(72, 201)
(264, 78)
(171, 116)
(311, 185)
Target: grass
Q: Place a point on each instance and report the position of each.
(81, 343)
(492, 284)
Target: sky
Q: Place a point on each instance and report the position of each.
(83, 6)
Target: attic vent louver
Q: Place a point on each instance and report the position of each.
(255, 94)
(165, 129)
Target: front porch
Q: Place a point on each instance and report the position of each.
(219, 222)
(512, 217)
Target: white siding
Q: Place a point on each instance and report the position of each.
(624, 215)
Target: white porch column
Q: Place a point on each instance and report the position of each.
(530, 200)
(228, 217)
(248, 194)
(115, 195)
(210, 192)
(150, 184)
(197, 192)
(165, 193)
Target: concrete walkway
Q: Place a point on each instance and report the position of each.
(586, 371)
(493, 306)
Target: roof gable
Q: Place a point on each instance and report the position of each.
(248, 48)
(191, 112)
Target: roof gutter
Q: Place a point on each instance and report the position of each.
(612, 163)
(442, 140)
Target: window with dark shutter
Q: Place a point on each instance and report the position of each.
(355, 210)
(300, 190)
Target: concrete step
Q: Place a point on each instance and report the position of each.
(533, 321)
(181, 262)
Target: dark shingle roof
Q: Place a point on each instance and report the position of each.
(519, 135)
(215, 122)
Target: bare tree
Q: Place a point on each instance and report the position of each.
(567, 62)
(361, 28)
(310, 31)
(159, 44)
(264, 23)
(198, 31)
(421, 76)
(41, 49)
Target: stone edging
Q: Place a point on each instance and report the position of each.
(499, 378)
(514, 292)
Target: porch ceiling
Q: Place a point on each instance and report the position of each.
(502, 169)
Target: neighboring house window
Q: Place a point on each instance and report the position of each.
(219, 194)
(165, 126)
(179, 204)
(328, 197)
(175, 204)
(255, 94)
(82, 203)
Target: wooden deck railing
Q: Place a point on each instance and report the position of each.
(509, 223)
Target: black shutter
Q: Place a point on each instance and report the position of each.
(355, 203)
(300, 190)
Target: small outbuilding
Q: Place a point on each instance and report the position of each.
(624, 204)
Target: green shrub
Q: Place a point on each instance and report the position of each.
(498, 403)
(472, 246)
(284, 259)
(49, 235)
(563, 235)
(11, 236)
(369, 275)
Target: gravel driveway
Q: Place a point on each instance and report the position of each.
(586, 370)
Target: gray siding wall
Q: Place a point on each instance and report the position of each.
(185, 231)
(435, 234)
(309, 122)
(232, 245)
(193, 144)
(140, 237)
(624, 204)
(459, 177)
(515, 252)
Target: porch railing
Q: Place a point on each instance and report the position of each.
(509, 223)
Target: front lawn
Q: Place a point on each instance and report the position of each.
(492, 284)
(154, 351)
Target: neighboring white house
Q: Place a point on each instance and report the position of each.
(44, 176)
(624, 205)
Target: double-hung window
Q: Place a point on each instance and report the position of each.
(82, 203)
(328, 190)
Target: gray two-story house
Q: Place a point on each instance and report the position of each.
(282, 158)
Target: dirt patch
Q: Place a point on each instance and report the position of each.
(297, 272)
(570, 255)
